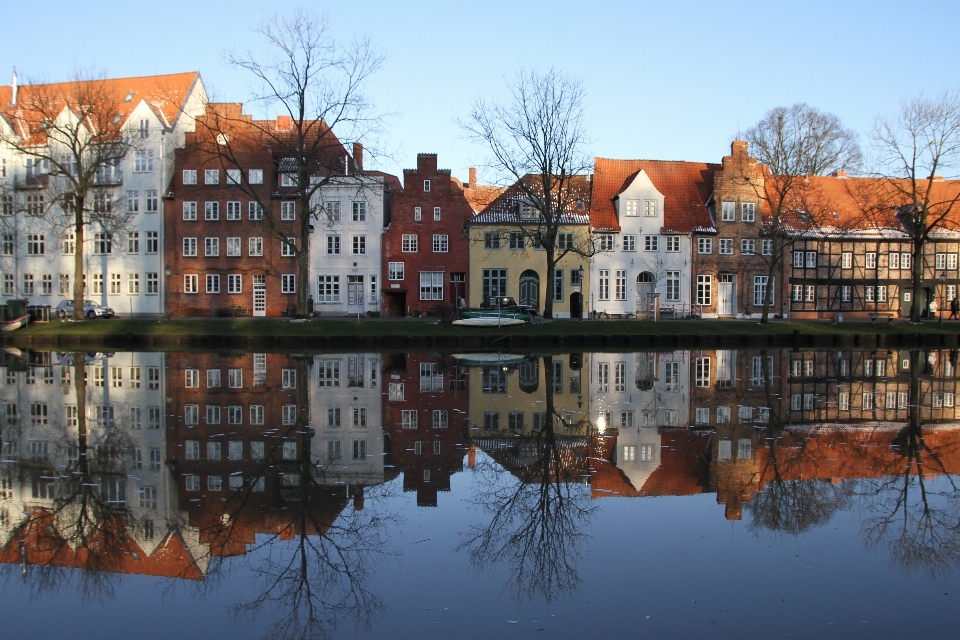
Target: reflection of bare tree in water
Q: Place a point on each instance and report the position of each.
(311, 574)
(787, 505)
(84, 535)
(919, 525)
(538, 507)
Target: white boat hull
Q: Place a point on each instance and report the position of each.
(489, 321)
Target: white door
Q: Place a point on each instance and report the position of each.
(354, 294)
(725, 295)
(259, 295)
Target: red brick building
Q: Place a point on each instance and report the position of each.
(425, 421)
(222, 256)
(425, 247)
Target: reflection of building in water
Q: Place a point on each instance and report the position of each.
(425, 421)
(249, 454)
(66, 505)
(734, 387)
(510, 398)
(639, 394)
(854, 386)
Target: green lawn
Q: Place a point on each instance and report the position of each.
(420, 327)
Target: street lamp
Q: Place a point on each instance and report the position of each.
(943, 282)
(580, 281)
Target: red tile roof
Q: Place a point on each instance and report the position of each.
(165, 94)
(686, 187)
(504, 208)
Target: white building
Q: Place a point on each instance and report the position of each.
(124, 267)
(346, 414)
(643, 214)
(345, 251)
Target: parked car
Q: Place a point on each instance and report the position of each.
(508, 303)
(90, 309)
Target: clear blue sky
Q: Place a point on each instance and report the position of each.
(665, 80)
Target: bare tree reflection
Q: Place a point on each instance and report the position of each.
(538, 505)
(86, 526)
(917, 521)
(312, 572)
(787, 504)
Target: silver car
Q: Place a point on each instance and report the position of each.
(90, 309)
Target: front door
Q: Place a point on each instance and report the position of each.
(645, 289)
(259, 295)
(530, 288)
(576, 305)
(725, 294)
(354, 294)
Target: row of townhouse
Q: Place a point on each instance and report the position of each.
(194, 238)
(184, 444)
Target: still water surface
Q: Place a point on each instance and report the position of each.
(744, 494)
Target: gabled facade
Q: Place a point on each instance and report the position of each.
(506, 260)
(643, 215)
(124, 268)
(425, 245)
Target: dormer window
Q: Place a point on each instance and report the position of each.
(632, 208)
(650, 208)
(288, 180)
(527, 211)
(580, 204)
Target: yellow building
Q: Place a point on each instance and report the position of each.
(506, 258)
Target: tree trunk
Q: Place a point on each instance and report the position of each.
(303, 275)
(551, 265)
(916, 278)
(78, 291)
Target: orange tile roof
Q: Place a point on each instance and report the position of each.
(165, 94)
(503, 208)
(686, 188)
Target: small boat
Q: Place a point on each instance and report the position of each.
(488, 359)
(16, 323)
(489, 321)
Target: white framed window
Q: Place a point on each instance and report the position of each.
(870, 260)
(234, 176)
(191, 378)
(748, 246)
(211, 210)
(704, 245)
(133, 283)
(409, 243)
(234, 249)
(417, 214)
(811, 260)
(632, 208)
(151, 201)
(359, 211)
(436, 214)
(189, 210)
(288, 379)
(189, 247)
(673, 244)
(234, 283)
(491, 240)
(288, 210)
(213, 378)
(845, 293)
(254, 210)
(395, 271)
(211, 247)
(893, 260)
(747, 211)
(651, 243)
(233, 211)
(726, 247)
(328, 289)
(441, 243)
(133, 242)
(153, 241)
(705, 290)
(846, 260)
(133, 201)
(189, 176)
(766, 247)
(728, 211)
(288, 283)
(606, 242)
(213, 283)
(604, 284)
(256, 414)
(629, 242)
(620, 285)
(408, 418)
(951, 261)
(255, 247)
(255, 176)
(288, 248)
(333, 245)
(673, 286)
(760, 290)
(211, 176)
(191, 283)
(426, 186)
(431, 285)
(650, 208)
(359, 245)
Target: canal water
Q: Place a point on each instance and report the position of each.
(735, 493)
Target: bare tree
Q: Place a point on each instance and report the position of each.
(73, 139)
(913, 148)
(317, 82)
(794, 143)
(536, 139)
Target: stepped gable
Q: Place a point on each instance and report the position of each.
(686, 188)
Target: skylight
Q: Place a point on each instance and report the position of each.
(129, 97)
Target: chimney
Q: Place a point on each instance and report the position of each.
(13, 88)
(738, 147)
(839, 174)
(284, 123)
(473, 178)
(358, 156)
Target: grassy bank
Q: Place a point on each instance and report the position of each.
(430, 327)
